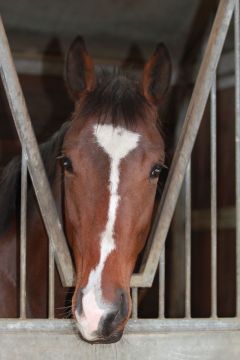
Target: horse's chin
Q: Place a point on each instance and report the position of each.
(100, 340)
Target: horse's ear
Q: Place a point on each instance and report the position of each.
(157, 75)
(79, 69)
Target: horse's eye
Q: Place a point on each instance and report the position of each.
(67, 164)
(156, 171)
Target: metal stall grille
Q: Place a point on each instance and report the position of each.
(205, 89)
(154, 259)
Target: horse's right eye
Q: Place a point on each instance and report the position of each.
(156, 171)
(66, 164)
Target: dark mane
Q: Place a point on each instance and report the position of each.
(117, 98)
(10, 178)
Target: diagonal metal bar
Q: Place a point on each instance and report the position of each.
(186, 141)
(35, 165)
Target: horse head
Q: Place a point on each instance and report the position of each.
(112, 157)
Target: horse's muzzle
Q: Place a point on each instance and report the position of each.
(102, 325)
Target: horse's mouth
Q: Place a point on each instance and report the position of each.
(99, 337)
(109, 340)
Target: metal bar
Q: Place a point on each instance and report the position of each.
(237, 152)
(51, 270)
(161, 303)
(213, 150)
(188, 242)
(185, 144)
(23, 236)
(35, 165)
(140, 326)
(134, 303)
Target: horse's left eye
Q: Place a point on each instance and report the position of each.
(156, 171)
(67, 164)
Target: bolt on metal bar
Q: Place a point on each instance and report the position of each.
(188, 230)
(237, 151)
(35, 165)
(51, 280)
(161, 302)
(23, 236)
(213, 151)
(134, 303)
(187, 138)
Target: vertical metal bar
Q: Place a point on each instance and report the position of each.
(213, 150)
(237, 151)
(188, 241)
(134, 303)
(51, 270)
(161, 303)
(23, 236)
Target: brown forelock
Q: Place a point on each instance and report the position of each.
(117, 99)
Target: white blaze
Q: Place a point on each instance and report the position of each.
(117, 143)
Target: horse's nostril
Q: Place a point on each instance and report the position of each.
(123, 308)
(79, 302)
(112, 321)
(111, 317)
(117, 314)
(122, 298)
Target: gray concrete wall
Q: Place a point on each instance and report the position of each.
(171, 346)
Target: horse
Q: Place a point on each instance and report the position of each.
(103, 167)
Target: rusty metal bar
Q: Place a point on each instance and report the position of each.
(185, 144)
(51, 279)
(23, 236)
(188, 242)
(161, 298)
(213, 150)
(237, 151)
(134, 303)
(35, 165)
